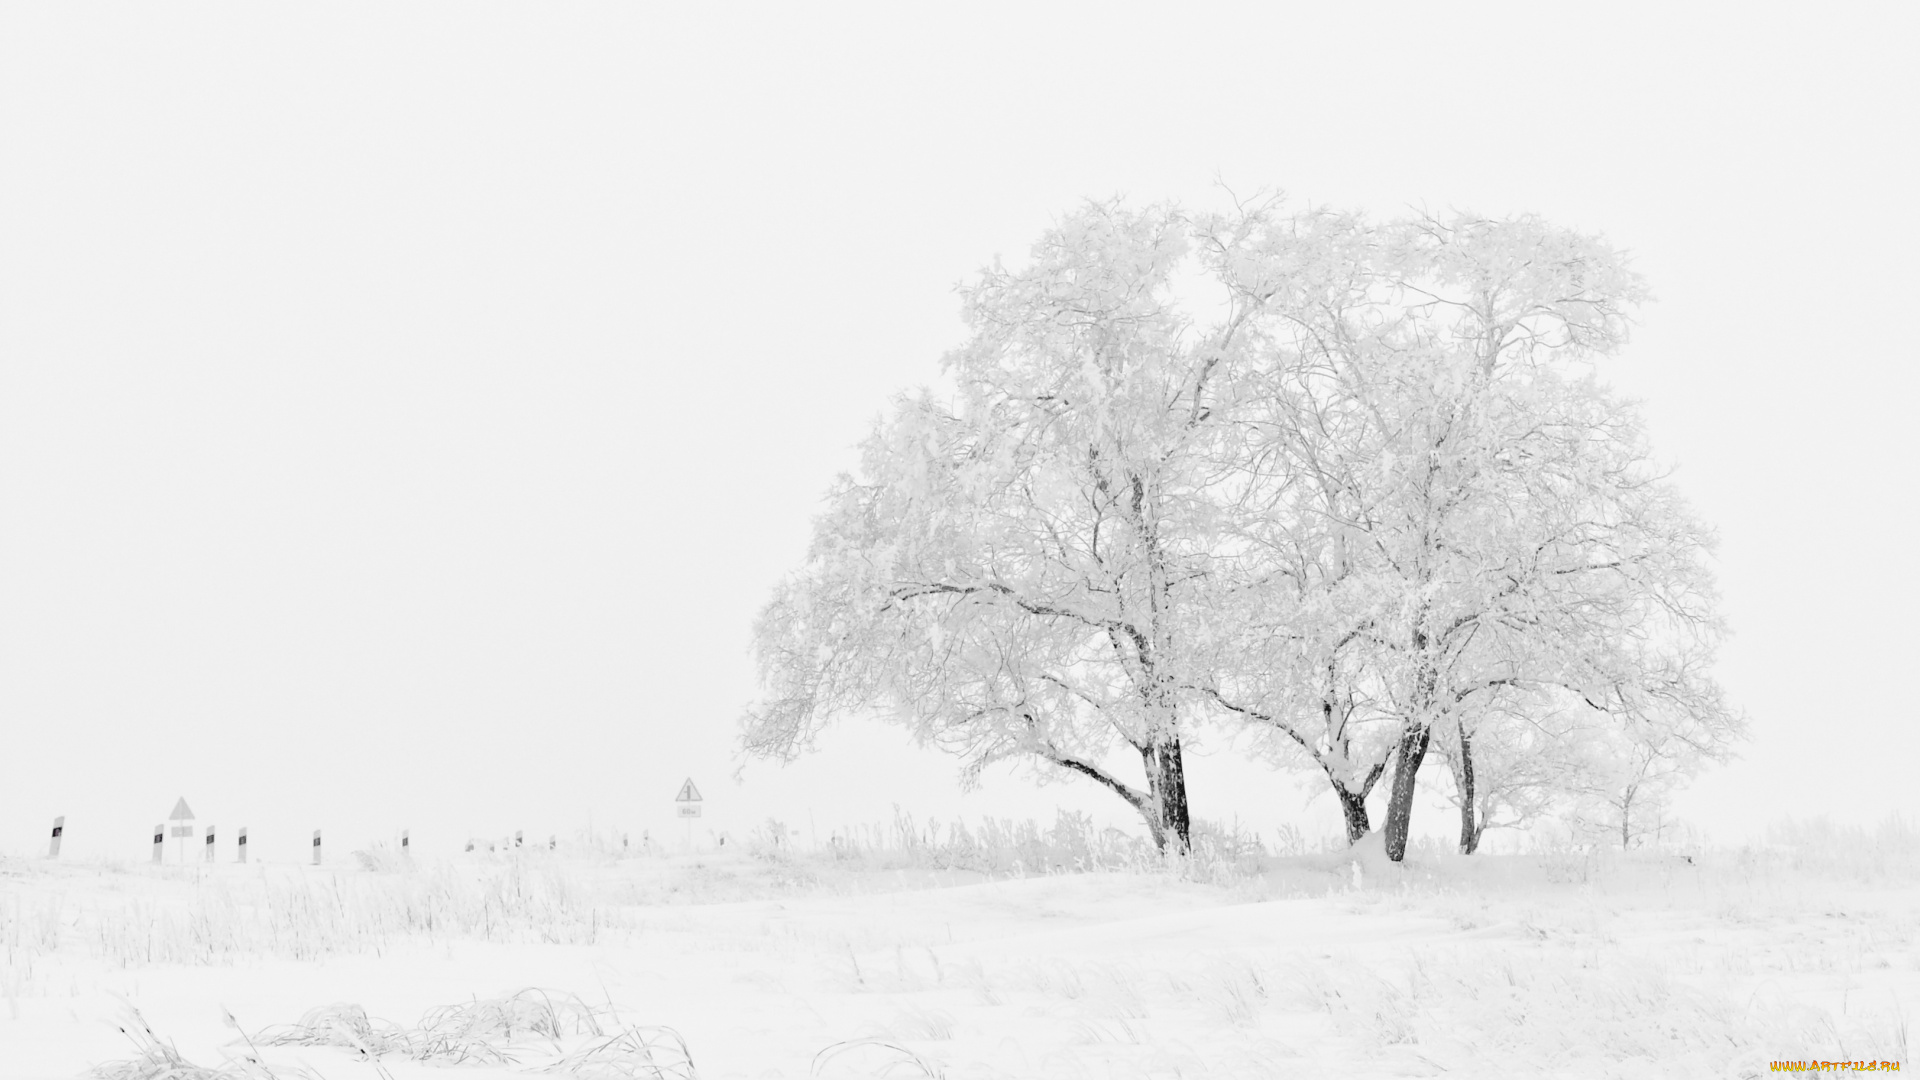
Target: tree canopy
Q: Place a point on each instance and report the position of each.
(1351, 486)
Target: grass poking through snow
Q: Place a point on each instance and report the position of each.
(157, 1059)
(637, 1053)
(490, 1031)
(874, 1058)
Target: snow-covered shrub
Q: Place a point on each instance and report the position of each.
(1889, 851)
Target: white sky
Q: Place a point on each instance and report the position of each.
(404, 410)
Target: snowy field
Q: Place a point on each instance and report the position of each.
(968, 960)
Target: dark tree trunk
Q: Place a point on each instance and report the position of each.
(1170, 784)
(1406, 768)
(1166, 771)
(1353, 805)
(1353, 802)
(1469, 831)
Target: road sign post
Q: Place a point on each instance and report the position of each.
(316, 847)
(182, 818)
(59, 826)
(159, 835)
(687, 805)
(243, 843)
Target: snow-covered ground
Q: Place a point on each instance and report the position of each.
(773, 964)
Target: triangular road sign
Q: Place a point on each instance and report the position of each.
(688, 793)
(181, 811)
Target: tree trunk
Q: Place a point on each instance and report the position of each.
(1406, 767)
(1626, 813)
(1353, 802)
(1166, 771)
(1353, 805)
(1170, 790)
(1154, 831)
(1469, 833)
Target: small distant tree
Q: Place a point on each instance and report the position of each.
(1514, 761)
(1022, 570)
(1658, 732)
(1629, 798)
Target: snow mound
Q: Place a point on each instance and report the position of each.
(1366, 858)
(1369, 855)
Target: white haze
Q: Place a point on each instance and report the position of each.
(404, 411)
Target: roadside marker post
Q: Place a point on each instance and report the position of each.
(159, 835)
(243, 843)
(316, 847)
(59, 826)
(209, 843)
(406, 852)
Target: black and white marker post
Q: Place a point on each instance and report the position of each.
(159, 838)
(243, 843)
(59, 826)
(406, 852)
(316, 847)
(209, 843)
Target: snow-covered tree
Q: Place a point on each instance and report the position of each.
(1514, 760)
(1291, 655)
(1381, 499)
(1460, 515)
(1022, 569)
(1661, 729)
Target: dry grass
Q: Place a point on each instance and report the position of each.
(482, 1032)
(148, 915)
(637, 1053)
(340, 1025)
(873, 1058)
(490, 1031)
(157, 1059)
(1001, 847)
